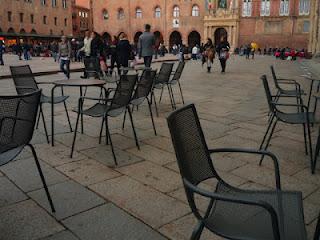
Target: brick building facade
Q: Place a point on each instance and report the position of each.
(37, 19)
(80, 20)
(314, 43)
(270, 23)
(173, 21)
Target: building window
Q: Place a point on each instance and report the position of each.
(265, 8)
(32, 18)
(9, 16)
(157, 12)
(284, 7)
(105, 15)
(176, 11)
(65, 22)
(44, 19)
(195, 11)
(86, 15)
(306, 26)
(138, 13)
(304, 7)
(79, 14)
(120, 13)
(64, 3)
(21, 17)
(54, 3)
(43, 2)
(247, 8)
(55, 21)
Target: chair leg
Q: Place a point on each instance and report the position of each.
(44, 124)
(182, 98)
(151, 115)
(268, 140)
(69, 122)
(196, 234)
(133, 128)
(268, 129)
(161, 94)
(315, 105)
(310, 147)
(124, 118)
(111, 144)
(316, 153)
(173, 100)
(170, 95)
(38, 120)
(107, 130)
(155, 103)
(42, 177)
(101, 129)
(75, 135)
(305, 139)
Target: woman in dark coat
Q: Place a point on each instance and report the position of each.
(123, 51)
(223, 52)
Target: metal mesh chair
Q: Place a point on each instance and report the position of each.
(161, 81)
(110, 107)
(92, 67)
(302, 116)
(231, 213)
(142, 93)
(176, 80)
(17, 120)
(25, 82)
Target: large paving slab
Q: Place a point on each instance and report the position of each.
(143, 202)
(118, 225)
(9, 193)
(26, 221)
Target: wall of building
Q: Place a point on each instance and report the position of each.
(314, 42)
(131, 25)
(274, 30)
(38, 11)
(80, 21)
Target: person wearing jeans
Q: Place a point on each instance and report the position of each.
(64, 56)
(146, 45)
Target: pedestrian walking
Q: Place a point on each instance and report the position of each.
(208, 54)
(86, 49)
(223, 52)
(1, 52)
(64, 56)
(54, 51)
(19, 50)
(194, 52)
(146, 45)
(248, 51)
(123, 51)
(113, 54)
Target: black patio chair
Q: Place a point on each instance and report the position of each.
(25, 82)
(232, 213)
(175, 80)
(278, 82)
(303, 117)
(92, 67)
(110, 107)
(18, 115)
(162, 79)
(143, 92)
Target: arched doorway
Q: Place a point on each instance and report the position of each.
(158, 36)
(220, 32)
(11, 30)
(0, 30)
(106, 37)
(33, 31)
(175, 38)
(194, 38)
(22, 31)
(136, 37)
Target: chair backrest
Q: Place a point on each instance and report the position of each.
(274, 76)
(92, 67)
(190, 146)
(145, 83)
(124, 91)
(268, 93)
(178, 72)
(17, 119)
(23, 79)
(165, 73)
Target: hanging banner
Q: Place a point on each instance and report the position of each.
(209, 4)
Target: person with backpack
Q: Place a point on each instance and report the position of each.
(223, 52)
(64, 56)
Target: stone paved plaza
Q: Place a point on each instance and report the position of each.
(143, 197)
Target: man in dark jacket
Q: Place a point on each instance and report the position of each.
(123, 51)
(223, 51)
(96, 45)
(146, 45)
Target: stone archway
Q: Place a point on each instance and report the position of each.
(220, 32)
(106, 37)
(158, 36)
(194, 38)
(11, 30)
(175, 38)
(136, 37)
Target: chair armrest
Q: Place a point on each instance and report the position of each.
(25, 87)
(258, 152)
(97, 99)
(237, 200)
(42, 83)
(291, 105)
